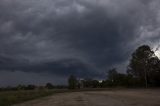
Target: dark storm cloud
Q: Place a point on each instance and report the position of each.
(81, 37)
(61, 68)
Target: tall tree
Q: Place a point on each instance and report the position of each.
(112, 74)
(141, 63)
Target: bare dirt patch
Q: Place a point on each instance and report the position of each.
(100, 98)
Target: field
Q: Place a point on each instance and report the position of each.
(140, 97)
(7, 98)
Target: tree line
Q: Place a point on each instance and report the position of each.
(143, 70)
(33, 87)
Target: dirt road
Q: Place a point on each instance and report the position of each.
(101, 98)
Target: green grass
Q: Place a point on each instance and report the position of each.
(8, 98)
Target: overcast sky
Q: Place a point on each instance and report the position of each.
(48, 40)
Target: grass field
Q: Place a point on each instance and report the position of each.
(8, 98)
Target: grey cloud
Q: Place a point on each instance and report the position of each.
(19, 77)
(47, 36)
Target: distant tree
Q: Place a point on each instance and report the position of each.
(95, 83)
(49, 86)
(122, 80)
(21, 87)
(30, 87)
(112, 75)
(72, 82)
(142, 64)
(115, 78)
(90, 83)
(132, 81)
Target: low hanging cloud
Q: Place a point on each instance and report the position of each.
(80, 37)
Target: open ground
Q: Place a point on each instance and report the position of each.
(132, 97)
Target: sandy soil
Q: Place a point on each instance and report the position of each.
(100, 98)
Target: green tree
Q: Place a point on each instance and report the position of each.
(72, 82)
(141, 65)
